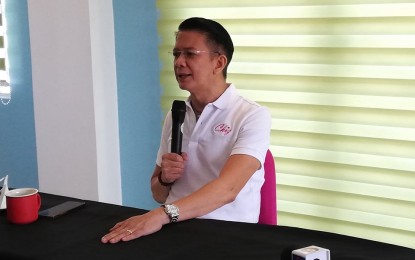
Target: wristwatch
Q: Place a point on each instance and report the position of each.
(172, 211)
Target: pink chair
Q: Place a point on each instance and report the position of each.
(268, 211)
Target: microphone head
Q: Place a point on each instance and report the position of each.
(178, 111)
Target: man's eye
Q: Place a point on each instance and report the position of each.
(187, 54)
(190, 53)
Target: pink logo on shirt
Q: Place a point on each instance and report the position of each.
(222, 129)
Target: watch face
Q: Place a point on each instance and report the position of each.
(172, 211)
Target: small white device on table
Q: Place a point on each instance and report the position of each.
(311, 253)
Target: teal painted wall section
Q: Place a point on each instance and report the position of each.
(17, 129)
(140, 115)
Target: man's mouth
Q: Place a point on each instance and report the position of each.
(183, 75)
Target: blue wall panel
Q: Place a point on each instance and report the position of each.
(140, 115)
(17, 129)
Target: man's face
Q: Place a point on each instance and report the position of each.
(194, 61)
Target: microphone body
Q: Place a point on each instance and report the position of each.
(178, 113)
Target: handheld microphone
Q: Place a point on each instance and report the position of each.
(178, 113)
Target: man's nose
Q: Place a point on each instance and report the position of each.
(180, 60)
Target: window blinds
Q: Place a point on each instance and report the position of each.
(4, 84)
(339, 80)
(2, 47)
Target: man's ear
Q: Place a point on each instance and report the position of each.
(220, 64)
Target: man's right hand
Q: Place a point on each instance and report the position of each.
(172, 166)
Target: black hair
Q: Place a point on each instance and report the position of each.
(215, 33)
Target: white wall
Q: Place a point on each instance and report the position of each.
(75, 98)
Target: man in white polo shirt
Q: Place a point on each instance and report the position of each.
(219, 174)
(230, 125)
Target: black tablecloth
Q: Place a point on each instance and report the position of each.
(77, 236)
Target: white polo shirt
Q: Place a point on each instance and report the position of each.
(230, 125)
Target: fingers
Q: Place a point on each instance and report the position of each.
(173, 157)
(121, 231)
(118, 235)
(173, 166)
(116, 226)
(134, 227)
(185, 156)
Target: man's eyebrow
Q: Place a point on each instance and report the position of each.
(187, 48)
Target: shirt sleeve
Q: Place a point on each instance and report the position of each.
(254, 135)
(165, 134)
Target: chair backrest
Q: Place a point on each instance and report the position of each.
(268, 211)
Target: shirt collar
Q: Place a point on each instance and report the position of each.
(224, 100)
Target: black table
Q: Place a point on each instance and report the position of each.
(77, 236)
